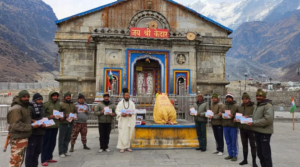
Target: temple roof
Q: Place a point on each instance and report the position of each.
(119, 1)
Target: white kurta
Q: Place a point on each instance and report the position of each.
(126, 125)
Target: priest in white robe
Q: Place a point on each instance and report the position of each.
(126, 123)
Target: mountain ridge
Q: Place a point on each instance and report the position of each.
(234, 14)
(26, 40)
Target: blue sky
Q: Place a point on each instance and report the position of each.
(65, 8)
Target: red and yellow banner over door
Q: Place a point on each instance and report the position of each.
(149, 32)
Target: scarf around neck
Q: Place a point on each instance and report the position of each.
(37, 108)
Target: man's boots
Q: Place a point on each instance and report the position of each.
(72, 148)
(85, 147)
(254, 161)
(244, 162)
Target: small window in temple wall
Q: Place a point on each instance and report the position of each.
(208, 34)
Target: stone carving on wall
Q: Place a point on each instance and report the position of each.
(113, 56)
(181, 59)
(143, 18)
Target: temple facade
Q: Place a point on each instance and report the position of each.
(147, 46)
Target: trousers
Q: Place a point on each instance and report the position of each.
(49, 143)
(201, 133)
(248, 135)
(218, 133)
(33, 151)
(64, 138)
(231, 137)
(79, 128)
(104, 132)
(264, 149)
(18, 149)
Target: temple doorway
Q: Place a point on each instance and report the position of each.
(147, 77)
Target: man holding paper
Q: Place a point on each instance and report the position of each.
(66, 126)
(246, 110)
(126, 122)
(49, 140)
(201, 107)
(18, 117)
(216, 122)
(80, 125)
(35, 141)
(106, 112)
(230, 127)
(263, 119)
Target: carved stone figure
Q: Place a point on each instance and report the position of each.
(181, 59)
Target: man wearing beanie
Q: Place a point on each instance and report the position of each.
(65, 127)
(230, 128)
(18, 117)
(104, 121)
(263, 118)
(201, 107)
(35, 141)
(216, 122)
(80, 125)
(247, 133)
(49, 141)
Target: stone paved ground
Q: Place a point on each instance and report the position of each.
(285, 148)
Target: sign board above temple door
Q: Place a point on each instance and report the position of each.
(149, 32)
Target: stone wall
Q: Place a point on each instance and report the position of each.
(77, 68)
(120, 15)
(19, 86)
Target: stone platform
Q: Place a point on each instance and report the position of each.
(155, 136)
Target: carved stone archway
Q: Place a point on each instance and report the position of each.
(142, 18)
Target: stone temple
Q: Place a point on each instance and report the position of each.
(148, 46)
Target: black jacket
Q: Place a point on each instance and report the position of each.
(40, 130)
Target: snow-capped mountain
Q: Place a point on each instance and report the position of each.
(236, 13)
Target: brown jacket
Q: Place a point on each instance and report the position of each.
(20, 120)
(233, 107)
(67, 108)
(246, 111)
(216, 109)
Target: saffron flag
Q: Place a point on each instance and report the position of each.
(293, 105)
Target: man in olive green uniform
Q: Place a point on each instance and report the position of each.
(65, 127)
(105, 121)
(19, 119)
(216, 122)
(230, 128)
(247, 133)
(49, 140)
(263, 118)
(201, 107)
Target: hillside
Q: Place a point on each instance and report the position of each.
(236, 69)
(272, 44)
(26, 40)
(233, 14)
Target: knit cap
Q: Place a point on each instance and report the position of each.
(260, 92)
(106, 94)
(215, 96)
(37, 96)
(245, 95)
(23, 93)
(81, 96)
(229, 95)
(67, 93)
